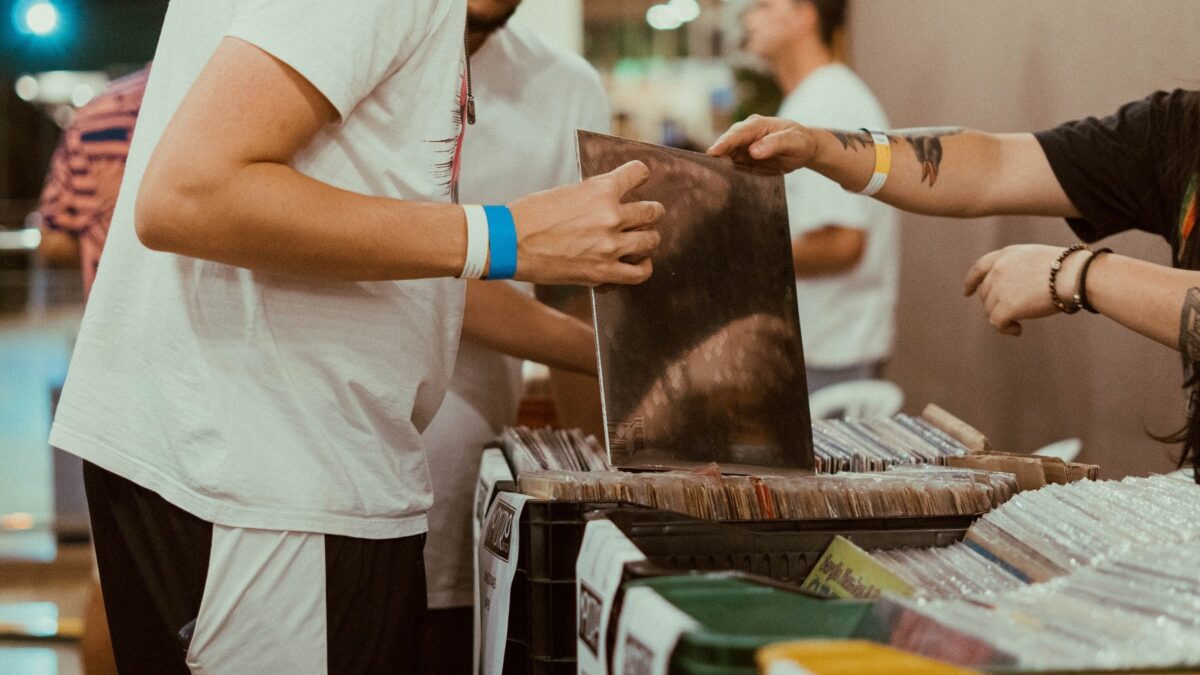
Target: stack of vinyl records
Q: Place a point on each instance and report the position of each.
(553, 449)
(1048, 533)
(929, 491)
(877, 443)
(838, 445)
(954, 571)
(1137, 609)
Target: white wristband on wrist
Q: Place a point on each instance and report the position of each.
(477, 242)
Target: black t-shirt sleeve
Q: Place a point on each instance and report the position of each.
(1119, 171)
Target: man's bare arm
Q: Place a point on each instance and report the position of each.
(502, 318)
(941, 171)
(830, 250)
(219, 186)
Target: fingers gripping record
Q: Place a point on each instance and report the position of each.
(584, 234)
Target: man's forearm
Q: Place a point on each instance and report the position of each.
(268, 216)
(945, 172)
(948, 171)
(830, 250)
(506, 320)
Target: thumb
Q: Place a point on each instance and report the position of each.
(768, 146)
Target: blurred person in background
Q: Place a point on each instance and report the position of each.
(85, 176)
(1138, 168)
(530, 98)
(845, 247)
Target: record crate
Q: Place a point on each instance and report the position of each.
(542, 614)
(736, 616)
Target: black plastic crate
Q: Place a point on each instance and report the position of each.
(518, 661)
(542, 615)
(781, 550)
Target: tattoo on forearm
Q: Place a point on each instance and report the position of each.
(853, 140)
(1189, 327)
(926, 144)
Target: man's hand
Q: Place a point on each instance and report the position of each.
(769, 142)
(1012, 283)
(583, 235)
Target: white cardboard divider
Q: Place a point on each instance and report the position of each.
(598, 572)
(499, 543)
(647, 631)
(493, 468)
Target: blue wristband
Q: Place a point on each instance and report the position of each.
(502, 242)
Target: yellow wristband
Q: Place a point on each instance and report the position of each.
(883, 163)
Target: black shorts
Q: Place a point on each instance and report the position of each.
(182, 593)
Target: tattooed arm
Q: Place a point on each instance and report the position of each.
(937, 171)
(1159, 302)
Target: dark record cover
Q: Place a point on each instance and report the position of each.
(703, 362)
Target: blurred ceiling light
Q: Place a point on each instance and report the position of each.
(41, 18)
(81, 94)
(663, 17)
(72, 88)
(686, 10)
(27, 87)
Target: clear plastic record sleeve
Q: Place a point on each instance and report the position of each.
(703, 362)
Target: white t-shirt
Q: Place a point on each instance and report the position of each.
(529, 100)
(845, 319)
(261, 401)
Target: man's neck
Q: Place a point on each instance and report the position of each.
(795, 64)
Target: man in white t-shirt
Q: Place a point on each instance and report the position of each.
(529, 100)
(845, 247)
(272, 326)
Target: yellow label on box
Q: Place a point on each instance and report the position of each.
(847, 571)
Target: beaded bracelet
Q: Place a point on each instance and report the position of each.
(1081, 297)
(1062, 306)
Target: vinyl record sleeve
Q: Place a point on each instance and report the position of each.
(703, 362)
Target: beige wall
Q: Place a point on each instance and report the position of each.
(1011, 65)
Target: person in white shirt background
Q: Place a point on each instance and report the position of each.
(273, 325)
(529, 99)
(845, 246)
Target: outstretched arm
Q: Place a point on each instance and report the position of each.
(936, 171)
(220, 186)
(1157, 301)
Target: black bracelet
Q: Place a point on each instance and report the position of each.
(1062, 306)
(1082, 295)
